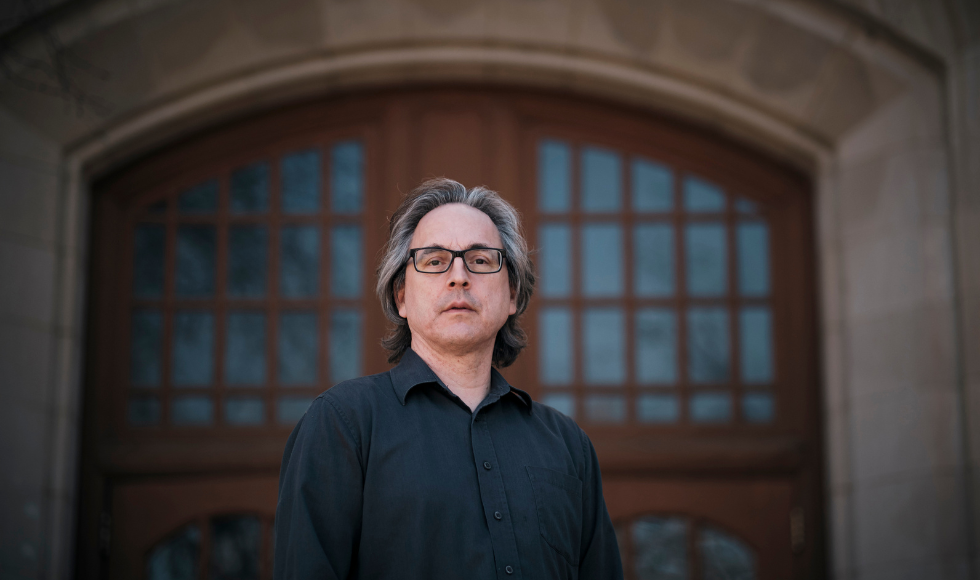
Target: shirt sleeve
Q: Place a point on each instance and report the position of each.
(318, 517)
(600, 551)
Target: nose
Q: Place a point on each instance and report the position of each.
(458, 274)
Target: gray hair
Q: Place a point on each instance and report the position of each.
(511, 339)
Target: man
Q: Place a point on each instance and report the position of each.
(438, 468)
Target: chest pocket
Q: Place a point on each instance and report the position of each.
(558, 498)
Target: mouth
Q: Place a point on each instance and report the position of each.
(459, 307)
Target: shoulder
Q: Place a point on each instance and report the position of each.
(353, 401)
(563, 426)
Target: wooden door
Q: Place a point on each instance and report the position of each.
(673, 320)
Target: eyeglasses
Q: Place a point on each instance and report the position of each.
(438, 260)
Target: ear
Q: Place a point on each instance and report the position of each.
(400, 300)
(513, 301)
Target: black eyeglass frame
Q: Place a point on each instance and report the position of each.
(456, 254)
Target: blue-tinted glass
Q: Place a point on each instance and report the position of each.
(148, 251)
(244, 411)
(301, 181)
(711, 408)
(245, 349)
(202, 198)
(602, 260)
(555, 330)
(653, 257)
(345, 345)
(248, 257)
(755, 342)
(604, 342)
(299, 261)
(143, 411)
(657, 408)
(298, 346)
(554, 177)
(707, 272)
(192, 410)
(653, 186)
(561, 402)
(758, 407)
(708, 345)
(347, 177)
(250, 188)
(753, 258)
(746, 206)
(555, 264)
(656, 346)
(602, 180)
(291, 409)
(346, 261)
(660, 548)
(235, 541)
(196, 255)
(145, 348)
(724, 557)
(701, 196)
(605, 408)
(176, 558)
(193, 348)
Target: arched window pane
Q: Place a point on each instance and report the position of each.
(248, 257)
(250, 188)
(660, 548)
(724, 557)
(604, 341)
(299, 262)
(245, 349)
(602, 180)
(554, 177)
(707, 271)
(145, 347)
(196, 261)
(297, 348)
(193, 348)
(602, 260)
(653, 186)
(753, 259)
(200, 199)
(148, 254)
(177, 557)
(301, 181)
(555, 265)
(347, 177)
(235, 547)
(701, 196)
(653, 256)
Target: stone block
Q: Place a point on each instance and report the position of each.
(544, 22)
(836, 392)
(839, 438)
(22, 143)
(362, 22)
(27, 292)
(25, 364)
(935, 568)
(442, 19)
(28, 202)
(841, 524)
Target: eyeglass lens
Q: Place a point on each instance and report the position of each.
(477, 260)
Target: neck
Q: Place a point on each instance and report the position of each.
(466, 374)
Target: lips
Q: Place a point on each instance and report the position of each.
(459, 307)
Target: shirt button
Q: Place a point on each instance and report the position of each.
(498, 515)
(486, 465)
(509, 570)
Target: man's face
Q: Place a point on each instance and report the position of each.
(456, 312)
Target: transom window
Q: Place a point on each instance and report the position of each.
(655, 295)
(247, 291)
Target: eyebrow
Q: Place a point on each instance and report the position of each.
(476, 246)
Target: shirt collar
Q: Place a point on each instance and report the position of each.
(412, 372)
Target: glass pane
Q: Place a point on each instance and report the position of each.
(250, 188)
(301, 181)
(604, 341)
(298, 346)
(561, 402)
(711, 407)
(753, 259)
(196, 247)
(345, 345)
(658, 408)
(192, 410)
(244, 411)
(602, 180)
(653, 257)
(605, 408)
(724, 557)
(193, 348)
(660, 548)
(602, 260)
(746, 206)
(199, 199)
(555, 264)
(291, 409)
(555, 329)
(708, 345)
(177, 557)
(245, 349)
(347, 177)
(554, 177)
(299, 263)
(145, 347)
(143, 411)
(345, 261)
(707, 272)
(248, 257)
(755, 341)
(148, 251)
(758, 407)
(656, 346)
(235, 547)
(701, 196)
(653, 186)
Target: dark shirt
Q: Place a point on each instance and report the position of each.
(392, 476)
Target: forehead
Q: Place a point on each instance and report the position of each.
(456, 226)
